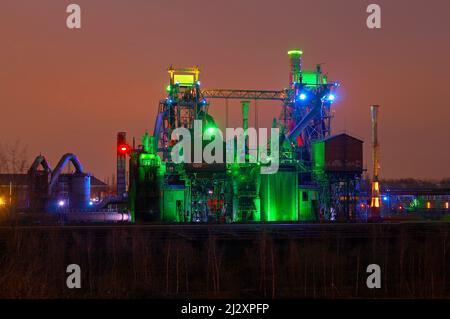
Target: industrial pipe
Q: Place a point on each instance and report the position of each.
(59, 168)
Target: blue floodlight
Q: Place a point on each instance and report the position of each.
(331, 97)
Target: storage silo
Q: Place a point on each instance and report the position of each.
(80, 190)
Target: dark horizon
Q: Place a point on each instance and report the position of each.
(67, 90)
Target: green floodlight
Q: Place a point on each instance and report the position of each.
(295, 52)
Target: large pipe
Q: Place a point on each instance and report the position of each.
(158, 124)
(103, 204)
(61, 164)
(40, 161)
(38, 183)
(298, 129)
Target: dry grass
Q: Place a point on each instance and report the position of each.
(141, 262)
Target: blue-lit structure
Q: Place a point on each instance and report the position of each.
(222, 192)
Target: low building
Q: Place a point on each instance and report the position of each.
(15, 189)
(39, 188)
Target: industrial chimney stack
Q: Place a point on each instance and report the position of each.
(122, 151)
(375, 198)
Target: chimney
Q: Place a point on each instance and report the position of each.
(122, 150)
(375, 201)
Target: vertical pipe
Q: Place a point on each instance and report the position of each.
(245, 108)
(146, 142)
(256, 116)
(10, 193)
(226, 114)
(375, 145)
(375, 202)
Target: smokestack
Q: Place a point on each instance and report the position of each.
(375, 198)
(122, 150)
(375, 145)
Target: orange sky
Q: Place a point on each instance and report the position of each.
(70, 91)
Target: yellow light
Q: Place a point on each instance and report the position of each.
(184, 79)
(375, 202)
(2, 201)
(376, 186)
(428, 205)
(446, 205)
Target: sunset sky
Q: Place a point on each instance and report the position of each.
(67, 90)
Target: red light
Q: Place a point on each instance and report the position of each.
(124, 149)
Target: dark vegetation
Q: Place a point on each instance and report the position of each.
(273, 261)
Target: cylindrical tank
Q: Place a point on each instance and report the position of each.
(80, 191)
(38, 182)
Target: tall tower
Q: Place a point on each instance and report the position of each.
(295, 75)
(295, 57)
(122, 151)
(375, 198)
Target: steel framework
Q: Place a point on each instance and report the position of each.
(244, 94)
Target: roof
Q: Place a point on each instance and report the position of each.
(332, 137)
(22, 179)
(96, 182)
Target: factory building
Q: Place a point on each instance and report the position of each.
(317, 176)
(42, 189)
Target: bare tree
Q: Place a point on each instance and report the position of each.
(3, 160)
(13, 158)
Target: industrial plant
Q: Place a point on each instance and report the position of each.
(319, 175)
